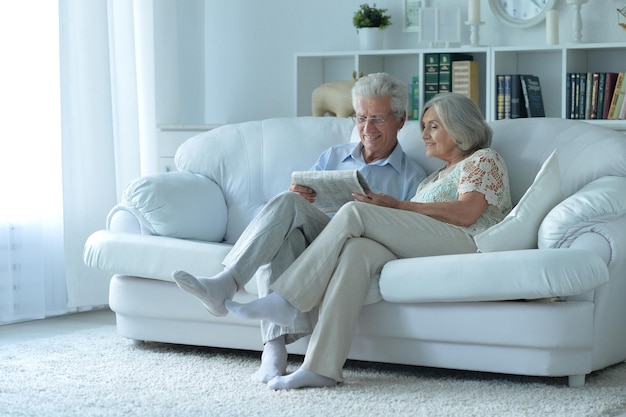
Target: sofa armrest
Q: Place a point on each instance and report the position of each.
(173, 204)
(493, 276)
(596, 204)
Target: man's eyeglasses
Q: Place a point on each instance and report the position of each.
(376, 121)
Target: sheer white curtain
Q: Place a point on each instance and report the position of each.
(31, 235)
(72, 138)
(107, 82)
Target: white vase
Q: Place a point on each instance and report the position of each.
(371, 38)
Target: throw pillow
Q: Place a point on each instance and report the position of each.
(519, 229)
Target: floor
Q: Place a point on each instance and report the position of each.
(21, 332)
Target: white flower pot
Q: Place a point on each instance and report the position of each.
(371, 38)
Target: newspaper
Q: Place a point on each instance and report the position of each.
(333, 188)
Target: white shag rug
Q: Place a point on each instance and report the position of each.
(98, 373)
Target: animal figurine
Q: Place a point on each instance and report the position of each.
(334, 98)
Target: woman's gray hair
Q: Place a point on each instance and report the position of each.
(463, 120)
(382, 85)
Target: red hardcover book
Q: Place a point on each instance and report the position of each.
(616, 95)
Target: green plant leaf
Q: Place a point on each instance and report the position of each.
(371, 17)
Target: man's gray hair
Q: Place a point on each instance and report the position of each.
(382, 85)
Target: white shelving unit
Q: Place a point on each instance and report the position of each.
(170, 137)
(550, 63)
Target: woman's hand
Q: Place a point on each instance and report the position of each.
(381, 199)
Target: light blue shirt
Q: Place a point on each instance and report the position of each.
(397, 175)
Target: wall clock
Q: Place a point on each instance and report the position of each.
(521, 13)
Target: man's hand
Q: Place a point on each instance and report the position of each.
(306, 192)
(381, 199)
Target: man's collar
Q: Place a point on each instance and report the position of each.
(394, 159)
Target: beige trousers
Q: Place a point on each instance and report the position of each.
(276, 236)
(334, 272)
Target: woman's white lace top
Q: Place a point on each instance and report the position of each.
(483, 171)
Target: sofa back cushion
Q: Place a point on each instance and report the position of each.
(252, 161)
(586, 151)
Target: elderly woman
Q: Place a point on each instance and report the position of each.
(469, 194)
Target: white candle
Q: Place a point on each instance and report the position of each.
(473, 11)
(552, 27)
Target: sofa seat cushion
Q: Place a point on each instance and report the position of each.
(494, 276)
(155, 257)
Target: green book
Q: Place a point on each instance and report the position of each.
(431, 75)
(445, 69)
(415, 98)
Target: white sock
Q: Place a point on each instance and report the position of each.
(273, 360)
(272, 308)
(211, 291)
(301, 379)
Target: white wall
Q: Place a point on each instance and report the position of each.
(249, 46)
(179, 61)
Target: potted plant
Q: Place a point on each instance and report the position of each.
(370, 22)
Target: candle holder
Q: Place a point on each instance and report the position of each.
(474, 32)
(577, 22)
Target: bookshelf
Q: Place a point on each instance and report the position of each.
(170, 137)
(550, 63)
(313, 69)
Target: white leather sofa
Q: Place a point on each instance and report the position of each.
(545, 297)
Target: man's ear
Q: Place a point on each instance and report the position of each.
(402, 120)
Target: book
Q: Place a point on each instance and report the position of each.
(582, 94)
(570, 90)
(500, 97)
(576, 108)
(595, 85)
(615, 97)
(518, 108)
(621, 94)
(609, 87)
(415, 98)
(465, 79)
(622, 112)
(573, 83)
(333, 188)
(600, 101)
(588, 83)
(507, 96)
(531, 88)
(431, 75)
(445, 69)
